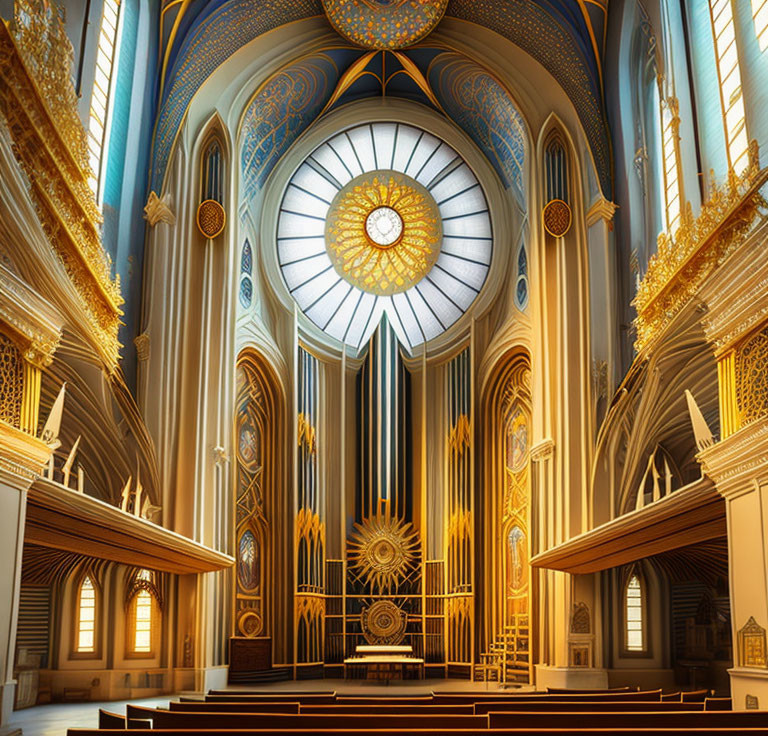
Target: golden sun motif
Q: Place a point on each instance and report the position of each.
(382, 552)
(383, 232)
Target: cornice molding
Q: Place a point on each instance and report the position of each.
(601, 209)
(740, 461)
(22, 457)
(31, 317)
(737, 295)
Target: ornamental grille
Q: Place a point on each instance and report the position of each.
(752, 377)
(11, 382)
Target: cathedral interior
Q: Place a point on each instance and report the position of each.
(383, 341)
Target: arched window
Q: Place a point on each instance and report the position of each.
(98, 123)
(85, 632)
(557, 171)
(760, 15)
(141, 629)
(729, 74)
(634, 615)
(212, 178)
(670, 123)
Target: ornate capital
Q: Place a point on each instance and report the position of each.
(142, 344)
(603, 210)
(158, 210)
(542, 450)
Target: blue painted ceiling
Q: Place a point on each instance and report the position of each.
(565, 36)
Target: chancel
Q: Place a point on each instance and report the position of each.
(383, 366)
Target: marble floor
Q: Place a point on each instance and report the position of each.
(54, 719)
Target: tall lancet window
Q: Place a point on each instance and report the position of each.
(557, 211)
(101, 97)
(634, 619)
(760, 15)
(142, 615)
(211, 217)
(86, 617)
(670, 123)
(212, 183)
(731, 93)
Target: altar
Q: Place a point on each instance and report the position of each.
(384, 662)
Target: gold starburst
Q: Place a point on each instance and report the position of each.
(383, 551)
(376, 263)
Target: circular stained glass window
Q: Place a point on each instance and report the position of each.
(384, 218)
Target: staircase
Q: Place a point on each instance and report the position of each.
(508, 658)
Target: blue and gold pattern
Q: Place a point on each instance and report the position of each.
(224, 31)
(278, 114)
(558, 33)
(485, 111)
(384, 24)
(554, 33)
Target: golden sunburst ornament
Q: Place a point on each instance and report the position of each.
(382, 551)
(383, 232)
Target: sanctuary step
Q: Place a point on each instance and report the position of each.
(276, 674)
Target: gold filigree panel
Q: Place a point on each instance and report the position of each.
(384, 24)
(40, 107)
(383, 552)
(752, 377)
(383, 232)
(752, 647)
(681, 265)
(383, 623)
(11, 382)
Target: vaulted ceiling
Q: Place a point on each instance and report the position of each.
(565, 36)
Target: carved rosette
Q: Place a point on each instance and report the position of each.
(383, 623)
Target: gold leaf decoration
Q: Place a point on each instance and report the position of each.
(382, 552)
(390, 261)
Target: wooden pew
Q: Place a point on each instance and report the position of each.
(486, 697)
(612, 706)
(718, 704)
(638, 720)
(386, 700)
(694, 696)
(270, 693)
(384, 708)
(166, 719)
(196, 707)
(570, 691)
(317, 698)
(110, 720)
(671, 697)
(739, 731)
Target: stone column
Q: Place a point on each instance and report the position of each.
(736, 323)
(30, 331)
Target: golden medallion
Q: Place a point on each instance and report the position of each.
(383, 232)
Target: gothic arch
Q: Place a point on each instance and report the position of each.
(504, 503)
(259, 467)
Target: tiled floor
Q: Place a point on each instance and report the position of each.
(55, 719)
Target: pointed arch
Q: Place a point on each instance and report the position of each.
(86, 632)
(214, 158)
(143, 620)
(258, 429)
(634, 612)
(504, 506)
